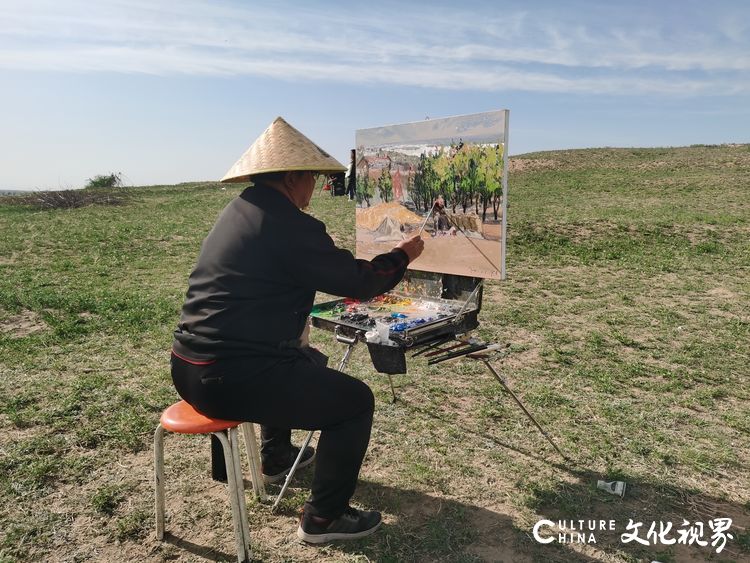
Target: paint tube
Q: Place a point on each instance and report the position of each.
(612, 487)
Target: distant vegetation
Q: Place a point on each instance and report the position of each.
(105, 181)
(64, 199)
(95, 193)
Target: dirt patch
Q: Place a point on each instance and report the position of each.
(722, 293)
(22, 324)
(198, 520)
(495, 539)
(527, 164)
(8, 260)
(529, 354)
(654, 164)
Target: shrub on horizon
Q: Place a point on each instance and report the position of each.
(105, 181)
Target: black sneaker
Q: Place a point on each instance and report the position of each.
(351, 525)
(275, 472)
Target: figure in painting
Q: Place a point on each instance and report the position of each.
(440, 216)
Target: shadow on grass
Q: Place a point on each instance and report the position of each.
(426, 527)
(201, 551)
(494, 439)
(647, 503)
(577, 498)
(423, 527)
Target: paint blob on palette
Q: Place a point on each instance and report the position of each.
(399, 313)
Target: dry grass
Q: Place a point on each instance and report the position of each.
(67, 199)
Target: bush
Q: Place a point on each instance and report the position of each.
(105, 181)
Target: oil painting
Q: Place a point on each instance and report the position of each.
(445, 179)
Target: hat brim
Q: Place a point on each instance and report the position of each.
(281, 148)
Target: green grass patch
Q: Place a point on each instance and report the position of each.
(626, 304)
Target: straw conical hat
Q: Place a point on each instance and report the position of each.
(281, 148)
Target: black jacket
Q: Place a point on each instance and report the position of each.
(256, 277)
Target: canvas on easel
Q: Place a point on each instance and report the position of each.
(445, 179)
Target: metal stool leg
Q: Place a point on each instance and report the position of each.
(239, 485)
(159, 480)
(239, 525)
(256, 473)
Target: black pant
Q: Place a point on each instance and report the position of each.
(290, 393)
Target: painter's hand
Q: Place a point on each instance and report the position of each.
(412, 246)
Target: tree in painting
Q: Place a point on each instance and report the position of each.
(363, 188)
(385, 184)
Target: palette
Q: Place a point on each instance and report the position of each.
(406, 317)
(426, 306)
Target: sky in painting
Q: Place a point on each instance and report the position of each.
(172, 91)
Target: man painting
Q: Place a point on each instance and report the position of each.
(240, 351)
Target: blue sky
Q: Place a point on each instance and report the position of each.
(171, 91)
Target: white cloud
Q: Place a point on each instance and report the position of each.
(383, 44)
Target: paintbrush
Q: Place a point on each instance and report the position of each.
(491, 348)
(432, 344)
(462, 343)
(425, 220)
(458, 353)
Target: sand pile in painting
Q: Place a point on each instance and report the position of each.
(388, 230)
(372, 217)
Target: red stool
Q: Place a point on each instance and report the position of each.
(184, 419)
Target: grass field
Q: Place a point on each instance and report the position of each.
(627, 305)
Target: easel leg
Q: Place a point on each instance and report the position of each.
(520, 404)
(293, 469)
(345, 360)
